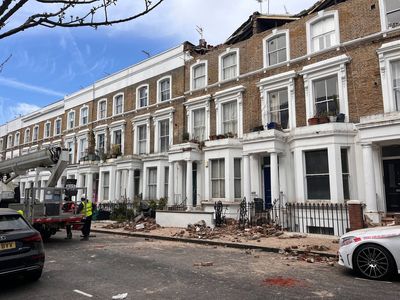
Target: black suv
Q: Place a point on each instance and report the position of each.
(21, 246)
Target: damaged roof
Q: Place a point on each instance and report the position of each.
(258, 22)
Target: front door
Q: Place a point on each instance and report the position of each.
(391, 170)
(267, 186)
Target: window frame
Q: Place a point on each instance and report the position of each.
(159, 95)
(306, 175)
(106, 196)
(237, 180)
(35, 132)
(47, 130)
(138, 98)
(219, 179)
(81, 152)
(141, 141)
(330, 67)
(99, 117)
(383, 16)
(192, 78)
(71, 112)
(233, 121)
(142, 120)
(160, 115)
(115, 113)
(221, 57)
(27, 137)
(151, 185)
(55, 126)
(161, 137)
(275, 34)
(17, 137)
(81, 123)
(320, 17)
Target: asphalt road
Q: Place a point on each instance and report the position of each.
(109, 265)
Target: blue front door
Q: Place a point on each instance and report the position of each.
(267, 186)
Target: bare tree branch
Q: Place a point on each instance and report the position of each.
(67, 13)
(4, 62)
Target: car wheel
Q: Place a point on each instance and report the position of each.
(34, 275)
(374, 262)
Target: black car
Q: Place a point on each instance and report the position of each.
(21, 246)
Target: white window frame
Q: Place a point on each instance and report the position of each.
(10, 142)
(98, 109)
(192, 68)
(97, 141)
(80, 150)
(115, 104)
(143, 120)
(388, 53)
(101, 129)
(69, 119)
(274, 83)
(159, 88)
(27, 137)
(115, 126)
(326, 68)
(227, 52)
(71, 140)
(47, 134)
(35, 128)
(319, 174)
(55, 126)
(138, 96)
(225, 96)
(195, 104)
(322, 15)
(153, 184)
(161, 115)
(275, 34)
(219, 179)
(81, 116)
(17, 137)
(384, 21)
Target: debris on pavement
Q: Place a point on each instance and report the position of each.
(139, 223)
(204, 264)
(120, 296)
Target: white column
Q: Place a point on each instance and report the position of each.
(369, 183)
(246, 177)
(160, 181)
(189, 183)
(335, 174)
(207, 183)
(299, 177)
(255, 187)
(118, 185)
(130, 193)
(89, 185)
(111, 189)
(42, 185)
(79, 183)
(274, 176)
(171, 191)
(100, 196)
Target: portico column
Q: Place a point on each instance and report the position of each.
(89, 185)
(80, 184)
(171, 183)
(369, 183)
(247, 179)
(274, 176)
(130, 184)
(189, 183)
(118, 185)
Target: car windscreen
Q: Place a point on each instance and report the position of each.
(12, 222)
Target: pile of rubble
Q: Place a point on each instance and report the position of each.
(231, 230)
(139, 223)
(292, 253)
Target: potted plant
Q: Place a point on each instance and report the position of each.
(185, 137)
(257, 128)
(313, 121)
(213, 137)
(229, 135)
(116, 151)
(220, 136)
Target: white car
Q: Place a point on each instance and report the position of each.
(373, 252)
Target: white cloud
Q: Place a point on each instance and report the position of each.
(26, 86)
(9, 110)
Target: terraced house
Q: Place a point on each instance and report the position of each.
(301, 108)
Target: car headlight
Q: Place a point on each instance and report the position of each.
(346, 241)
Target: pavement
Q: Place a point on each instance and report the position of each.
(289, 242)
(109, 265)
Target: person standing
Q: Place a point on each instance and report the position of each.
(86, 208)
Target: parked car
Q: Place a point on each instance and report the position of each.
(21, 246)
(373, 252)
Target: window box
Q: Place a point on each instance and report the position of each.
(318, 120)
(213, 137)
(257, 128)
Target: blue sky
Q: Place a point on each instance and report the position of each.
(47, 64)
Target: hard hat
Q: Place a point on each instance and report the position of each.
(83, 196)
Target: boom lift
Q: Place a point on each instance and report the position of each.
(46, 216)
